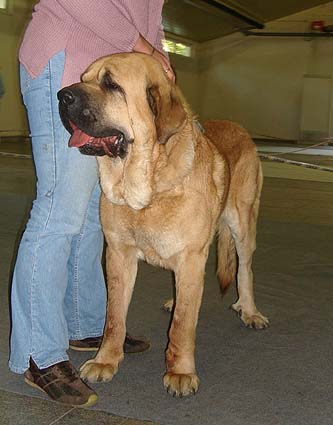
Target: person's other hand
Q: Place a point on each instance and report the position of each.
(143, 46)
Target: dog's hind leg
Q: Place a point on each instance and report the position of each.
(226, 256)
(241, 216)
(121, 274)
(181, 378)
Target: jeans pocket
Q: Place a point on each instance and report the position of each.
(25, 79)
(27, 82)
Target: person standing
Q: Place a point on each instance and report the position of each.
(58, 291)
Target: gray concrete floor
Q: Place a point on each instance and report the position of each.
(17, 177)
(23, 410)
(286, 194)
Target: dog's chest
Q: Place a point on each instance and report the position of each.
(162, 233)
(163, 230)
(157, 237)
(159, 233)
(158, 247)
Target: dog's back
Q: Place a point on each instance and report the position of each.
(231, 140)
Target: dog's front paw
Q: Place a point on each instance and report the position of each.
(179, 385)
(92, 371)
(251, 319)
(168, 305)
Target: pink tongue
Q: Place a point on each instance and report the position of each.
(78, 138)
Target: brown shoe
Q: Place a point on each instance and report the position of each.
(131, 345)
(87, 344)
(61, 383)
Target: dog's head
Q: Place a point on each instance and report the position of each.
(124, 108)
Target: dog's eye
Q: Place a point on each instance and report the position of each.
(109, 85)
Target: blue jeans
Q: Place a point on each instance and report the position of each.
(58, 289)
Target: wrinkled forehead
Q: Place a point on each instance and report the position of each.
(123, 67)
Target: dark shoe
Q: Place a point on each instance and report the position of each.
(87, 344)
(131, 345)
(61, 383)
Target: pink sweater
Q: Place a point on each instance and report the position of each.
(87, 30)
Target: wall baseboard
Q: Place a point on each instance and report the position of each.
(14, 139)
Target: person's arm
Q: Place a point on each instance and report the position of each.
(108, 22)
(105, 19)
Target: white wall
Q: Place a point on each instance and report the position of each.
(258, 81)
(12, 113)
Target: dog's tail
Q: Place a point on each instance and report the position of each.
(226, 256)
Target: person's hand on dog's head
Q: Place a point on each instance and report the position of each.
(143, 46)
(165, 64)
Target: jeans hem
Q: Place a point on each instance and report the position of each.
(19, 370)
(85, 335)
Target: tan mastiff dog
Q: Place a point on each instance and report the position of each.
(167, 189)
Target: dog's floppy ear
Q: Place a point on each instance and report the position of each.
(168, 110)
